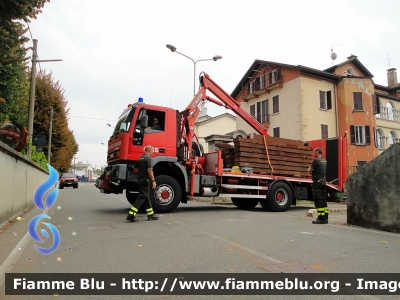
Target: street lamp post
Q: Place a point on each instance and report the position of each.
(215, 58)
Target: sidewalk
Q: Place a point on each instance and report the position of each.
(304, 209)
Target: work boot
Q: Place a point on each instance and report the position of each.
(131, 218)
(320, 221)
(152, 218)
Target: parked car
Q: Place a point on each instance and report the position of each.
(68, 179)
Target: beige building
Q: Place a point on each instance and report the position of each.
(288, 102)
(206, 126)
(388, 118)
(298, 102)
(81, 169)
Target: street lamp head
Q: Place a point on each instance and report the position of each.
(216, 57)
(171, 47)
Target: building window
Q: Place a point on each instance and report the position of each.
(272, 77)
(379, 136)
(358, 104)
(324, 131)
(361, 163)
(264, 111)
(259, 112)
(258, 83)
(325, 100)
(392, 138)
(275, 103)
(360, 135)
(390, 109)
(253, 110)
(250, 88)
(378, 107)
(276, 132)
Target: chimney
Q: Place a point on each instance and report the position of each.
(352, 56)
(392, 77)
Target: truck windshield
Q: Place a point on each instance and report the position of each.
(124, 122)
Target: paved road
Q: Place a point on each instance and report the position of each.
(196, 238)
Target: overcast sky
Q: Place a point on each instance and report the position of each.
(114, 51)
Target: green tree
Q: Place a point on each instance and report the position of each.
(14, 86)
(63, 144)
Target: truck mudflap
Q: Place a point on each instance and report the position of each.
(107, 185)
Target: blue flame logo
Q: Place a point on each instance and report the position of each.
(51, 197)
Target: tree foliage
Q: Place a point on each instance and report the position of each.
(37, 157)
(20, 9)
(63, 144)
(14, 88)
(15, 83)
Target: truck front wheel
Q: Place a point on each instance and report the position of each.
(245, 203)
(279, 198)
(167, 195)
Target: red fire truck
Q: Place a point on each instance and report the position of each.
(183, 171)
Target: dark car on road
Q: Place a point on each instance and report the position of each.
(68, 179)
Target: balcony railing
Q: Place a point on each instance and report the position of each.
(260, 84)
(389, 114)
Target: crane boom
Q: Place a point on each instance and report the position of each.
(191, 112)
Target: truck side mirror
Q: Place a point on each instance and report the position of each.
(144, 121)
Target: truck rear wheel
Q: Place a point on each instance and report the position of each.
(245, 203)
(167, 195)
(279, 198)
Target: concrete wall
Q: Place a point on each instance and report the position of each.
(373, 192)
(19, 179)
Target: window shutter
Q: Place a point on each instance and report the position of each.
(322, 100)
(355, 100)
(266, 111)
(278, 74)
(357, 97)
(375, 137)
(352, 135)
(359, 100)
(328, 100)
(253, 110)
(378, 106)
(259, 112)
(276, 132)
(367, 136)
(374, 105)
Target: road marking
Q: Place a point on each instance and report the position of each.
(15, 254)
(13, 257)
(305, 232)
(368, 230)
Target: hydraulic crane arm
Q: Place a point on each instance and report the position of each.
(230, 103)
(191, 112)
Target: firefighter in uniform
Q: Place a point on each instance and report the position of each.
(144, 169)
(318, 171)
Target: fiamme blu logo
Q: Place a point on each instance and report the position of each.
(44, 197)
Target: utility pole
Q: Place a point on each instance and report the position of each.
(74, 163)
(32, 95)
(50, 132)
(32, 98)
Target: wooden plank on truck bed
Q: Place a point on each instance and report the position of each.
(277, 140)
